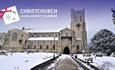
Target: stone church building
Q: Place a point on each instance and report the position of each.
(67, 40)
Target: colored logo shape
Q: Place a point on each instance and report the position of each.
(9, 15)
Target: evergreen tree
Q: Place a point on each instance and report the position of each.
(103, 41)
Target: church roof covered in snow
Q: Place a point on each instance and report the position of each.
(43, 38)
(42, 30)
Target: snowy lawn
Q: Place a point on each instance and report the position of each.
(23, 61)
(104, 63)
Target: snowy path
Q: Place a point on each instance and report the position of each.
(64, 62)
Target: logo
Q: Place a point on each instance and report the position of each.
(9, 15)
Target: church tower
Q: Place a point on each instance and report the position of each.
(79, 27)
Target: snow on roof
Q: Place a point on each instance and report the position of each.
(43, 30)
(43, 38)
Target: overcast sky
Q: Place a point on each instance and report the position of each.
(98, 14)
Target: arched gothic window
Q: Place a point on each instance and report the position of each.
(53, 47)
(80, 18)
(47, 47)
(14, 37)
(77, 47)
(6, 41)
(40, 46)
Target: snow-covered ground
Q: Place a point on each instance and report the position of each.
(104, 63)
(23, 61)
